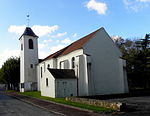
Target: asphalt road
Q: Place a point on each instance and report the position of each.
(12, 107)
(136, 106)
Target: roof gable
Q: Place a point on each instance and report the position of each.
(72, 47)
(104, 42)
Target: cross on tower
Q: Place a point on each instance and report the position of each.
(28, 19)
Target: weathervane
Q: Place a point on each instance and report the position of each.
(28, 19)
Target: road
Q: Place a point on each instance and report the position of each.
(9, 106)
(12, 107)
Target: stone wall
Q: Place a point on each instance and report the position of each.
(100, 103)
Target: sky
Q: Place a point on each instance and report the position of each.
(61, 22)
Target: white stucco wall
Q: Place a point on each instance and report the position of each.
(69, 57)
(55, 90)
(50, 62)
(105, 66)
(123, 74)
(38, 77)
(28, 57)
(56, 87)
(45, 72)
(80, 69)
(50, 89)
(83, 76)
(66, 87)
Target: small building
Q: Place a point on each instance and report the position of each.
(58, 83)
(92, 65)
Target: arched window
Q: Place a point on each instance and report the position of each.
(47, 82)
(41, 72)
(60, 65)
(73, 62)
(48, 66)
(31, 65)
(30, 44)
(21, 46)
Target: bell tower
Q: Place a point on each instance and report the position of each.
(28, 60)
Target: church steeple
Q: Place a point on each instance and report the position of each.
(28, 60)
(28, 31)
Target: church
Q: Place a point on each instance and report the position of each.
(90, 66)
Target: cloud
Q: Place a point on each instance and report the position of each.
(116, 38)
(7, 54)
(41, 45)
(100, 7)
(44, 30)
(74, 35)
(66, 41)
(136, 5)
(47, 41)
(38, 29)
(16, 29)
(143, 0)
(58, 35)
(43, 54)
(56, 48)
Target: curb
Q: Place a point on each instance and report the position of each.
(69, 106)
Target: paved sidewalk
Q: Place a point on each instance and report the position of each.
(60, 109)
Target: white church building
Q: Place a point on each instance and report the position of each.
(92, 65)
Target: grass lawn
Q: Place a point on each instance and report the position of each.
(10, 90)
(63, 101)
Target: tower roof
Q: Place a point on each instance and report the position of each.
(28, 31)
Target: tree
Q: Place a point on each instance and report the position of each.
(137, 55)
(144, 55)
(144, 43)
(10, 73)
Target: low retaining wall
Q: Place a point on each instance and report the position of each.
(100, 103)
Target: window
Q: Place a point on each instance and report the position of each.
(41, 72)
(31, 65)
(64, 83)
(21, 46)
(22, 85)
(46, 81)
(44, 66)
(73, 62)
(60, 65)
(64, 64)
(30, 44)
(48, 66)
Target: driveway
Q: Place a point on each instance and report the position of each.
(136, 106)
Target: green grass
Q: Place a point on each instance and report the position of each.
(63, 101)
(11, 91)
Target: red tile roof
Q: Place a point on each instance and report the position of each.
(72, 47)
